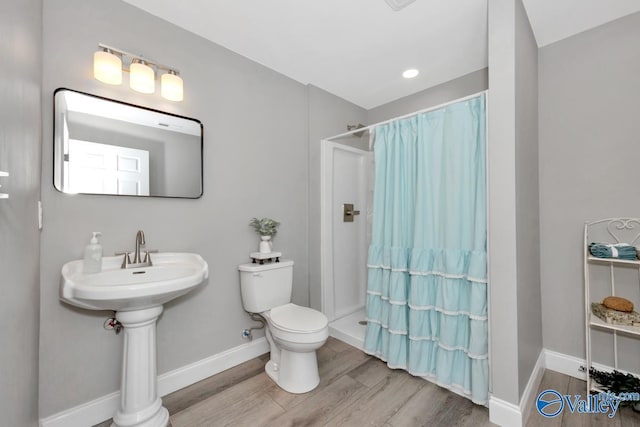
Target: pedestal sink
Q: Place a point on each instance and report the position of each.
(137, 296)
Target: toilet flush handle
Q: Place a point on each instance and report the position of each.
(257, 275)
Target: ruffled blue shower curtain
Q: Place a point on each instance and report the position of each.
(427, 284)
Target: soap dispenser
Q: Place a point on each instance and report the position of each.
(93, 255)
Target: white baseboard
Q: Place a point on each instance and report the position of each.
(103, 408)
(570, 365)
(197, 371)
(527, 402)
(504, 414)
(565, 364)
(507, 414)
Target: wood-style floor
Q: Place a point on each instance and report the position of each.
(355, 390)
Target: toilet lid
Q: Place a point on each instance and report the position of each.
(296, 318)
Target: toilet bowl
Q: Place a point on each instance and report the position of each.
(294, 333)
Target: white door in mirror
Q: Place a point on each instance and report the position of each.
(107, 169)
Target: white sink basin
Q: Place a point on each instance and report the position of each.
(172, 275)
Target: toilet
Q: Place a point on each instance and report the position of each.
(294, 333)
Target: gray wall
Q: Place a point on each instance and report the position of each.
(182, 171)
(527, 197)
(457, 88)
(328, 116)
(255, 164)
(20, 91)
(502, 213)
(589, 150)
(513, 236)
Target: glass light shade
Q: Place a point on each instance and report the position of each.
(142, 78)
(107, 67)
(171, 87)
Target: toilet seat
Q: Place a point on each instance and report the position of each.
(295, 319)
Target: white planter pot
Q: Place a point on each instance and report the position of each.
(265, 245)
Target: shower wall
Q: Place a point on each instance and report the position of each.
(346, 178)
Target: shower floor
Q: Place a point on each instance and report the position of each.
(347, 329)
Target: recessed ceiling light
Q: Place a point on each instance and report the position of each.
(410, 73)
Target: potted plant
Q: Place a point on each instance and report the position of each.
(266, 228)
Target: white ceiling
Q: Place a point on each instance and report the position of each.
(554, 20)
(357, 49)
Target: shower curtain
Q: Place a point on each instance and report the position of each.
(427, 268)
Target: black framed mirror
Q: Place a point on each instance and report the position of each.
(104, 146)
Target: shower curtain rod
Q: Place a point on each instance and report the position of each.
(426, 110)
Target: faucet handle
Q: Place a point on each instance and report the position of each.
(147, 257)
(127, 258)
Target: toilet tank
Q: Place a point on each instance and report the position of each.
(266, 286)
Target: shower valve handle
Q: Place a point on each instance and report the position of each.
(349, 212)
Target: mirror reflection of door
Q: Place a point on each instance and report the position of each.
(124, 149)
(106, 169)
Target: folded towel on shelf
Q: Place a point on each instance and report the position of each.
(618, 250)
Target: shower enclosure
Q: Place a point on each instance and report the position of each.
(347, 184)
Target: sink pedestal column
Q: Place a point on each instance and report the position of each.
(140, 405)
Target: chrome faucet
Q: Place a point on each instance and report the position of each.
(138, 261)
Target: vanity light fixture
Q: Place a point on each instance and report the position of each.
(108, 67)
